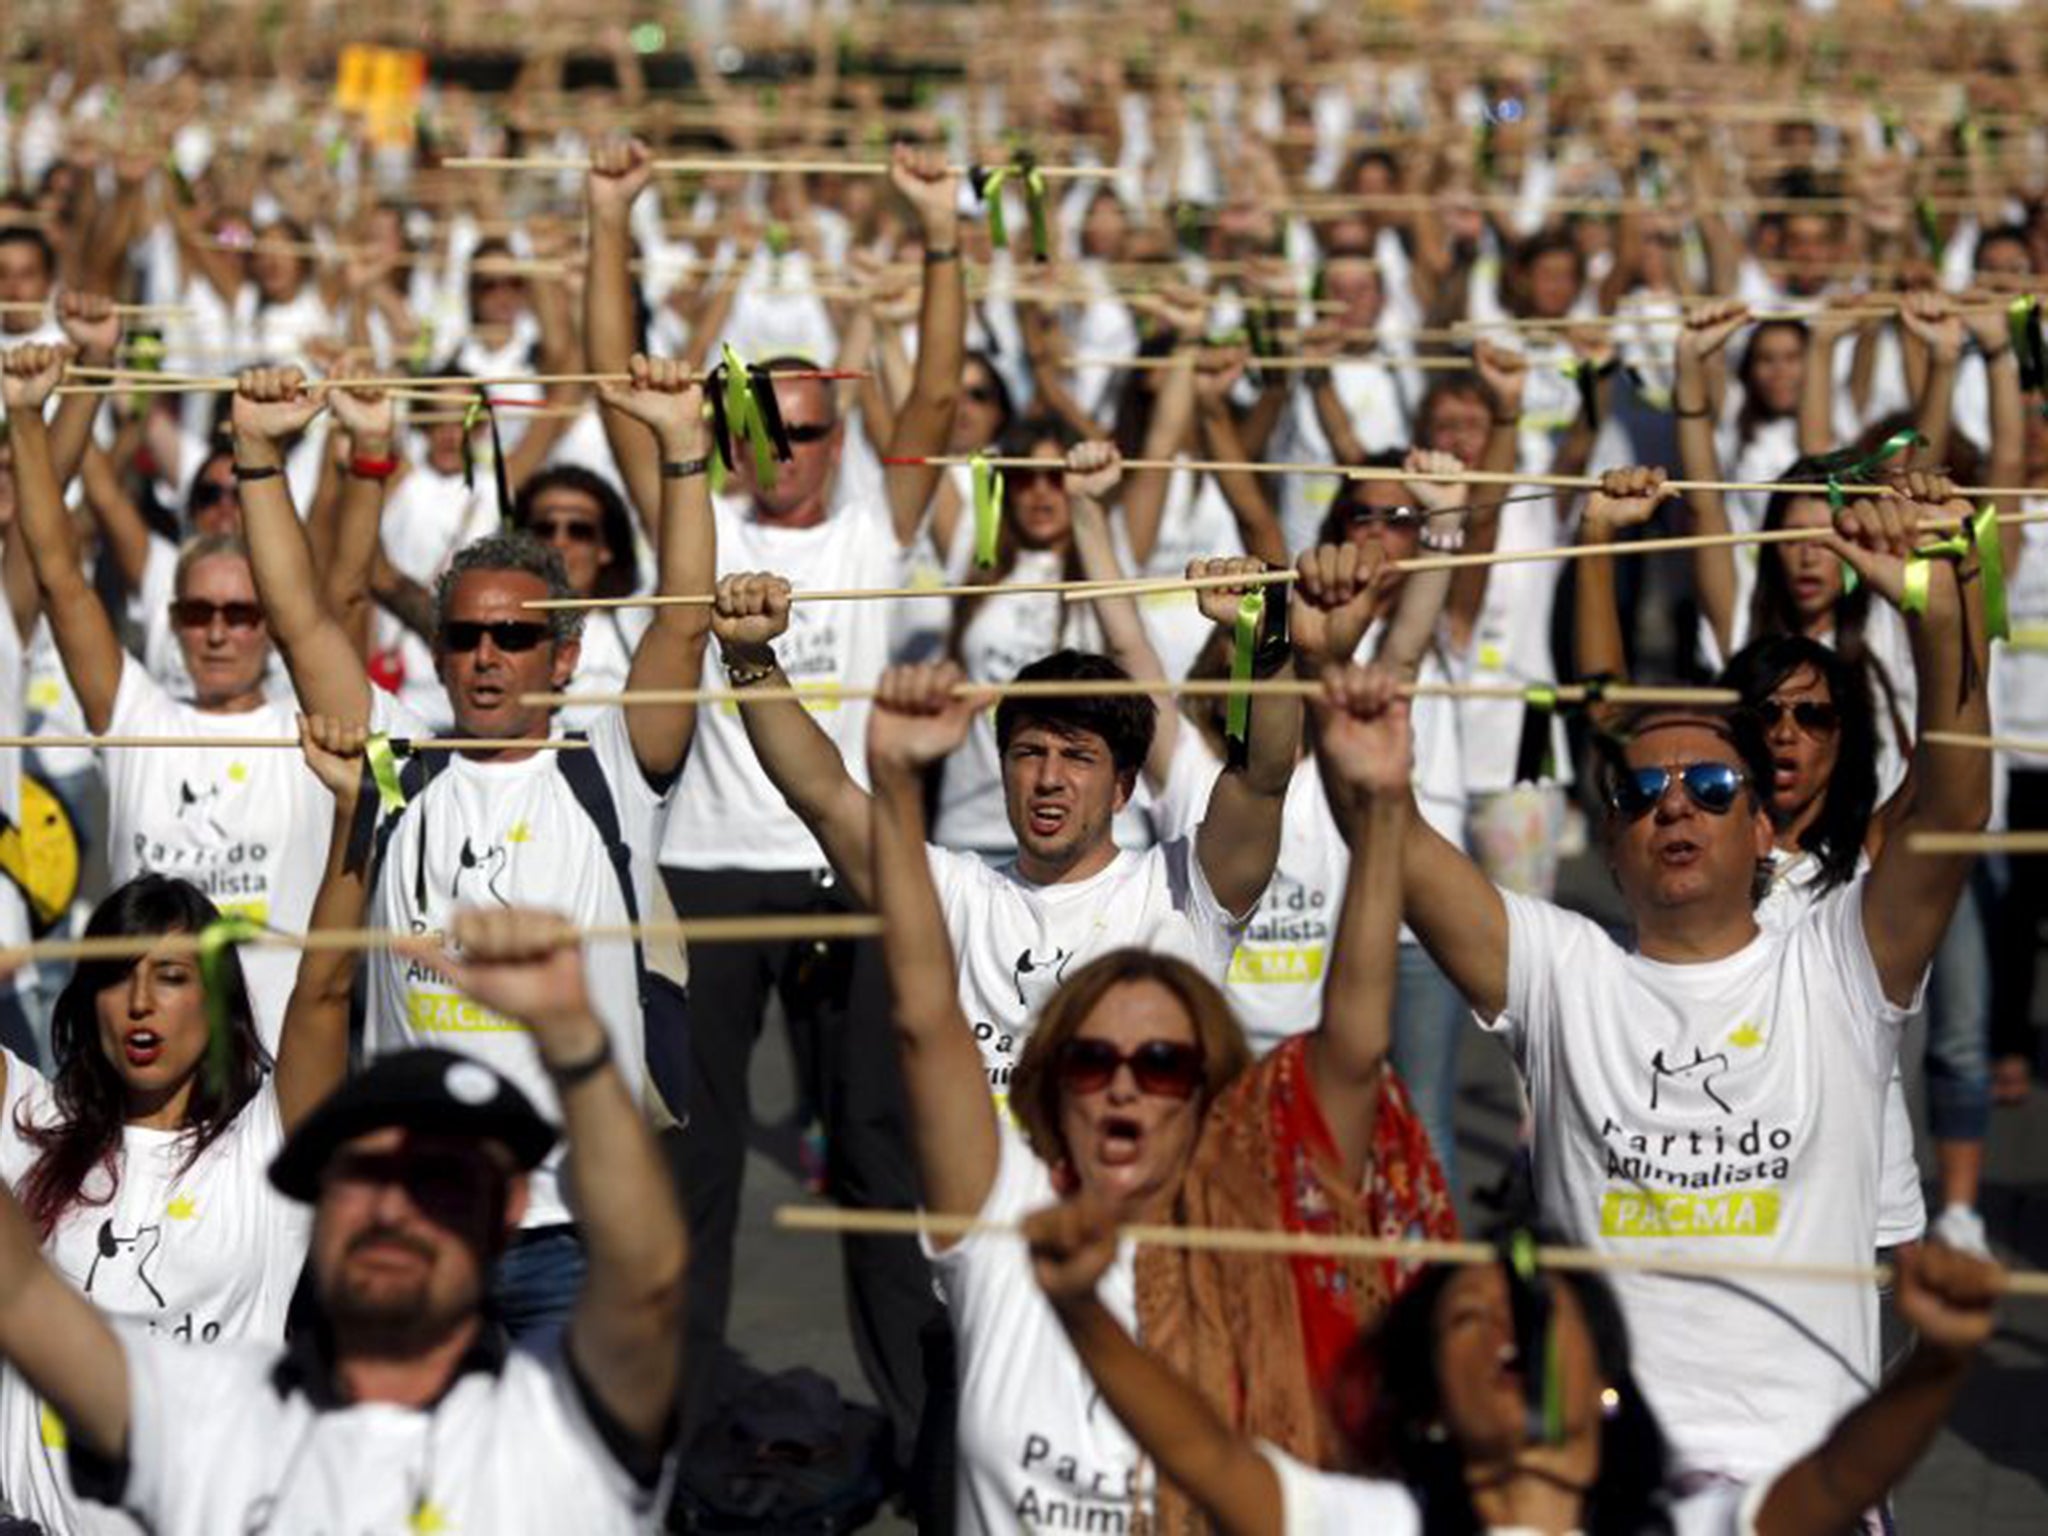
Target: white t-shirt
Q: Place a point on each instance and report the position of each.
(1275, 984)
(1015, 942)
(727, 814)
(1317, 1503)
(1730, 1108)
(603, 659)
(215, 1445)
(14, 923)
(1902, 1213)
(1039, 1450)
(198, 1255)
(249, 828)
(1379, 399)
(1511, 644)
(1196, 524)
(512, 834)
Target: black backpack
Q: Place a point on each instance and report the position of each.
(783, 1453)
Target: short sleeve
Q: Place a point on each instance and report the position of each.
(1315, 1503)
(1204, 908)
(1833, 941)
(1178, 804)
(140, 703)
(1724, 1509)
(955, 876)
(1543, 943)
(611, 738)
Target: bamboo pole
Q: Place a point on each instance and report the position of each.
(702, 930)
(31, 307)
(144, 381)
(264, 743)
(2025, 746)
(1425, 363)
(1288, 1244)
(1144, 687)
(715, 166)
(1978, 842)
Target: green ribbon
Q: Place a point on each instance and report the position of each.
(1991, 561)
(743, 421)
(1887, 122)
(1034, 210)
(471, 415)
(420, 355)
(215, 939)
(1839, 467)
(2023, 326)
(383, 761)
(988, 186)
(778, 240)
(1930, 226)
(1920, 569)
(1237, 714)
(145, 355)
(988, 509)
(1521, 1258)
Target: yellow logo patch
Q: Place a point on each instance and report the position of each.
(1678, 1213)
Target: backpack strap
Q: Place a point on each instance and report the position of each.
(593, 792)
(417, 771)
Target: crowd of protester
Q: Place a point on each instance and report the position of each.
(444, 1233)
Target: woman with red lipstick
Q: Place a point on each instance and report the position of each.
(1135, 1086)
(144, 1162)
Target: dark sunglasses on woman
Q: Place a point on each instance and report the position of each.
(198, 613)
(1813, 716)
(1166, 1069)
(1712, 787)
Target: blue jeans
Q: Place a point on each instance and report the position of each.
(1429, 1027)
(536, 1284)
(1959, 1026)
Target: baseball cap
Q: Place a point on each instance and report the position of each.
(423, 1090)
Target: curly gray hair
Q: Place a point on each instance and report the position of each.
(512, 552)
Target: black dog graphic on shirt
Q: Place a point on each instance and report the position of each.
(116, 1284)
(1036, 979)
(196, 808)
(480, 868)
(1702, 1068)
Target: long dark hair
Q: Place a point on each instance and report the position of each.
(1749, 416)
(1773, 612)
(92, 1104)
(1018, 441)
(1837, 834)
(1628, 1497)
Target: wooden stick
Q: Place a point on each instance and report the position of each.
(30, 307)
(143, 381)
(2035, 746)
(264, 743)
(1284, 1244)
(702, 930)
(1140, 687)
(1755, 317)
(1426, 364)
(1978, 842)
(714, 166)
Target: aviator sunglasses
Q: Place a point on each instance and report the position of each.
(1710, 786)
(1812, 716)
(1166, 1069)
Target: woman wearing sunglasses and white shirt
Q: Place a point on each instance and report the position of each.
(247, 827)
(1136, 1085)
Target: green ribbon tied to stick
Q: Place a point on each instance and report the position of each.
(215, 940)
(1237, 712)
(380, 758)
(1851, 468)
(2029, 346)
(744, 409)
(988, 183)
(1979, 536)
(987, 482)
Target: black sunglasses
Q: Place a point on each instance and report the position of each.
(980, 394)
(576, 533)
(1712, 787)
(808, 431)
(1397, 519)
(507, 634)
(1166, 1069)
(1812, 716)
(198, 613)
(439, 1181)
(208, 493)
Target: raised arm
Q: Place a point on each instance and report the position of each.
(1930, 319)
(60, 1342)
(85, 636)
(1092, 472)
(1072, 1247)
(670, 405)
(353, 541)
(1347, 1055)
(1948, 1299)
(918, 719)
(619, 173)
(271, 405)
(1626, 499)
(1506, 377)
(312, 1047)
(1909, 897)
(1453, 908)
(1420, 609)
(94, 331)
(798, 757)
(1824, 333)
(1257, 523)
(924, 422)
(625, 1334)
(1145, 495)
(1707, 330)
(1238, 841)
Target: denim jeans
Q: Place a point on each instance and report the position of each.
(1429, 1028)
(536, 1285)
(1959, 1026)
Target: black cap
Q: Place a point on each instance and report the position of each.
(422, 1090)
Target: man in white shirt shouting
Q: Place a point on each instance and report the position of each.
(1717, 1090)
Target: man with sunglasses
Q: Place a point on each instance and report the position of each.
(397, 1406)
(733, 846)
(572, 829)
(1716, 1090)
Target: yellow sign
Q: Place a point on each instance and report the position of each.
(1298, 966)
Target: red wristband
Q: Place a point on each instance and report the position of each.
(372, 469)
